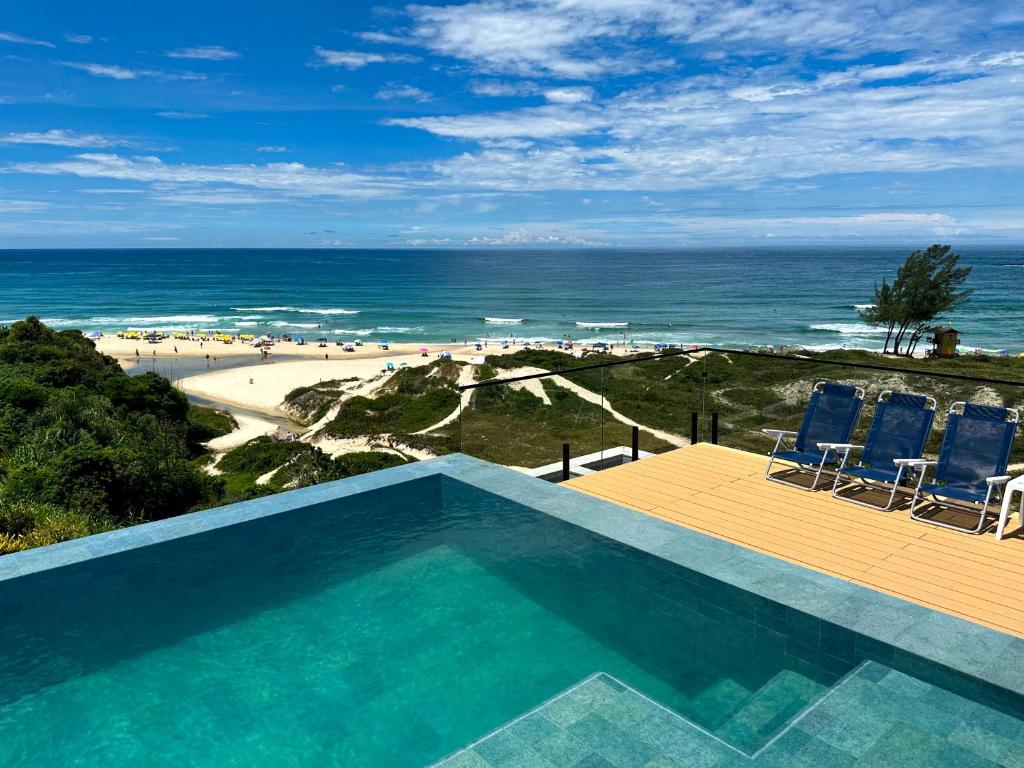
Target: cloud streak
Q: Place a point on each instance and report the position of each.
(203, 53)
(325, 57)
(12, 37)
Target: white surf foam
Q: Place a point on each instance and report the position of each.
(300, 310)
(503, 320)
(849, 329)
(600, 324)
(397, 329)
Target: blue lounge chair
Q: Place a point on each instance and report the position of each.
(831, 415)
(971, 468)
(899, 429)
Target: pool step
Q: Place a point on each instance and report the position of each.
(769, 708)
(719, 702)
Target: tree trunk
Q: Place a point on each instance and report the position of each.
(888, 337)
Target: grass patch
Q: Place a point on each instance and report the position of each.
(413, 399)
(513, 426)
(484, 372)
(309, 404)
(208, 423)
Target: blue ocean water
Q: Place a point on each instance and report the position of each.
(727, 296)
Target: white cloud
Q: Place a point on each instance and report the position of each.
(535, 122)
(11, 37)
(357, 59)
(271, 148)
(521, 236)
(78, 39)
(203, 197)
(22, 206)
(103, 70)
(397, 92)
(585, 39)
(569, 95)
(503, 88)
(294, 179)
(176, 115)
(61, 137)
(203, 52)
(118, 72)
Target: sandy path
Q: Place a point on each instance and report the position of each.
(249, 427)
(465, 377)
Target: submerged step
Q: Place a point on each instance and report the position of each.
(718, 702)
(770, 707)
(873, 716)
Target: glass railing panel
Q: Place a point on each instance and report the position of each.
(526, 422)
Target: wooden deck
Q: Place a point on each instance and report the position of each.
(722, 492)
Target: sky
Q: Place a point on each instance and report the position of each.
(510, 123)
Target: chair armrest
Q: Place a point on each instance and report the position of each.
(778, 432)
(914, 463)
(839, 446)
(998, 480)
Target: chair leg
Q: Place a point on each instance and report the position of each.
(1004, 513)
(895, 487)
(839, 473)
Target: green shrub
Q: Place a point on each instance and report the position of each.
(484, 372)
(207, 423)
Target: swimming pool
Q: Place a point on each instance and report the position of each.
(394, 619)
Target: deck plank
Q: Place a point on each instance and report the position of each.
(722, 492)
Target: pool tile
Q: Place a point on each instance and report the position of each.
(467, 759)
(499, 748)
(954, 756)
(948, 639)
(876, 616)
(561, 749)
(902, 746)
(532, 729)
(566, 710)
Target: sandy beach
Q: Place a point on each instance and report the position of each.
(238, 378)
(219, 372)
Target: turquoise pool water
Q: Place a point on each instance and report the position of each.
(390, 629)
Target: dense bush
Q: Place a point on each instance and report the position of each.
(207, 423)
(84, 446)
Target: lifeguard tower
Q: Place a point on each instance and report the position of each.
(944, 342)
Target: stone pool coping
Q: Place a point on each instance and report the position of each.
(959, 645)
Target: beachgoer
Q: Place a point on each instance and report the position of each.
(136, 351)
(250, 381)
(175, 350)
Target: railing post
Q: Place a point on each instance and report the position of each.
(693, 428)
(714, 427)
(565, 461)
(636, 443)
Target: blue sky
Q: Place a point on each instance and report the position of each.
(510, 123)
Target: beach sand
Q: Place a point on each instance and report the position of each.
(250, 390)
(263, 387)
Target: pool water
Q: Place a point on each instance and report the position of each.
(388, 629)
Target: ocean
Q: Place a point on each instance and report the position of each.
(722, 296)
